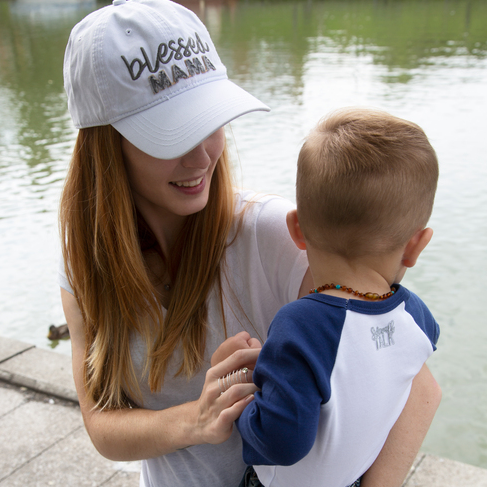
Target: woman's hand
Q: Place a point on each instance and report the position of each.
(220, 403)
(217, 410)
(135, 434)
(239, 341)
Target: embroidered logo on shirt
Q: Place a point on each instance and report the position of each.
(383, 336)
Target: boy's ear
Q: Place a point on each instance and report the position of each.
(415, 246)
(295, 229)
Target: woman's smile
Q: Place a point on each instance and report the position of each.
(188, 184)
(168, 188)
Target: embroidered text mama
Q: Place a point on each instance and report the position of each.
(162, 81)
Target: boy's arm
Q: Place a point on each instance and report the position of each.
(404, 441)
(272, 429)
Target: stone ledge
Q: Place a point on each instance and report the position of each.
(433, 471)
(37, 369)
(10, 348)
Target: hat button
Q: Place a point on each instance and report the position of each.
(118, 2)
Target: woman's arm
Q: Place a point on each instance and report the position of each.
(404, 441)
(134, 434)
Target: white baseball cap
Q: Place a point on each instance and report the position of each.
(150, 69)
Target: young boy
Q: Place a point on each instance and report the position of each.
(336, 369)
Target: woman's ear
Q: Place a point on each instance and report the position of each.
(415, 246)
(295, 229)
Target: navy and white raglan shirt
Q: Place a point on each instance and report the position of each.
(334, 376)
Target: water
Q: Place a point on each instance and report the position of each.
(422, 60)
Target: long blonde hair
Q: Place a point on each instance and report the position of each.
(106, 269)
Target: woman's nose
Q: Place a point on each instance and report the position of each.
(197, 157)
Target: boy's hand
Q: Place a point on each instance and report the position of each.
(232, 344)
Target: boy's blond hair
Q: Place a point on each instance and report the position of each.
(366, 182)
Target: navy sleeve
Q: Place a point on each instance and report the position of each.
(423, 317)
(279, 427)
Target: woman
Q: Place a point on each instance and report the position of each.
(163, 261)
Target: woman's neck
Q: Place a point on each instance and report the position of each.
(165, 227)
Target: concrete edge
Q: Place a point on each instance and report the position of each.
(434, 471)
(10, 348)
(25, 365)
(417, 462)
(38, 386)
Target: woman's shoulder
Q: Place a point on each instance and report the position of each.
(259, 205)
(260, 225)
(262, 248)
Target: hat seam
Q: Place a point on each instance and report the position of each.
(99, 72)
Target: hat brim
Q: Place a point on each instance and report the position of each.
(173, 128)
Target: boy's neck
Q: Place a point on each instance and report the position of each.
(374, 274)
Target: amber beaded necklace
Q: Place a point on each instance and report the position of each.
(371, 296)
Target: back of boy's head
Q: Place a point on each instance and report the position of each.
(366, 182)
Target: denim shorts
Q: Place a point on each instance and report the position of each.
(250, 479)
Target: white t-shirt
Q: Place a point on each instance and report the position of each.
(263, 271)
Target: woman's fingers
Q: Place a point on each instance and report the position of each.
(235, 394)
(233, 402)
(217, 411)
(232, 413)
(214, 422)
(254, 343)
(221, 429)
(237, 360)
(235, 370)
(240, 376)
(230, 345)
